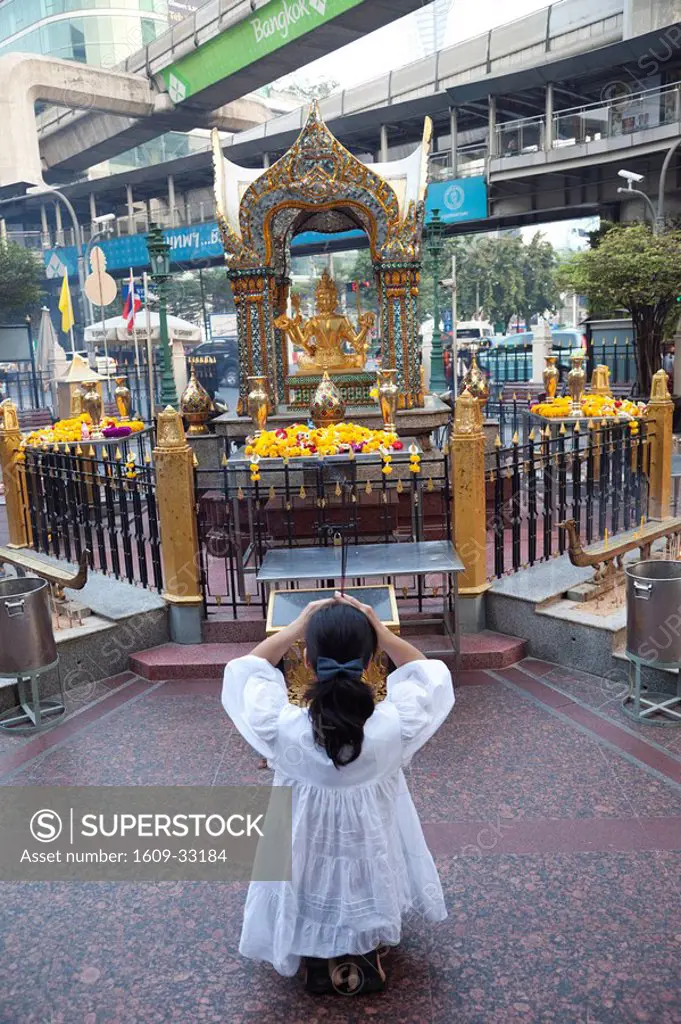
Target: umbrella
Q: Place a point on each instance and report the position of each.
(51, 361)
(117, 329)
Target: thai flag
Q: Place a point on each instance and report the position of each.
(133, 304)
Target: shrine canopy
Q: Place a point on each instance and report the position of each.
(318, 185)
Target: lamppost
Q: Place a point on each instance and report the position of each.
(43, 189)
(435, 245)
(159, 257)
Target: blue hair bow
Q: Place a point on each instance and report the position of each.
(328, 668)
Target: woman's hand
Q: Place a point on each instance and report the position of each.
(299, 625)
(365, 609)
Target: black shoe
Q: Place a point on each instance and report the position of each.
(318, 977)
(358, 975)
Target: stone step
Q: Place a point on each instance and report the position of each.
(208, 660)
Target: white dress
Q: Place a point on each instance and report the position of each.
(360, 861)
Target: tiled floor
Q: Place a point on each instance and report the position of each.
(556, 824)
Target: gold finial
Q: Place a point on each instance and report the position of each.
(224, 461)
(562, 430)
(577, 428)
(516, 439)
(118, 455)
(532, 435)
(170, 431)
(9, 419)
(497, 441)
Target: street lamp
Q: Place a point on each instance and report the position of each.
(159, 257)
(435, 246)
(42, 190)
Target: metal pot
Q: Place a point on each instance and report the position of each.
(654, 611)
(26, 637)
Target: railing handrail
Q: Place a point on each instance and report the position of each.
(595, 105)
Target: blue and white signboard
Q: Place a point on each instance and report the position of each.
(459, 199)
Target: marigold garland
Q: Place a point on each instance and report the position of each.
(71, 431)
(300, 441)
(596, 406)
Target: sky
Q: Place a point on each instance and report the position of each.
(398, 44)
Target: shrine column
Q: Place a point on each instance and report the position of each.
(399, 329)
(254, 291)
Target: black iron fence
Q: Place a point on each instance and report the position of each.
(310, 502)
(596, 475)
(619, 357)
(101, 499)
(28, 390)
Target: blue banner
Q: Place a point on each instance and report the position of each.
(457, 200)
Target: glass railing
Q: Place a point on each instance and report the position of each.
(470, 161)
(614, 116)
(516, 137)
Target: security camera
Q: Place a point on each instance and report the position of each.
(630, 176)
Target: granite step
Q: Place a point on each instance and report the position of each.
(207, 660)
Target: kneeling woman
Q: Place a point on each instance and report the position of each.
(360, 861)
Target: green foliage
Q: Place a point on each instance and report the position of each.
(632, 269)
(497, 278)
(184, 294)
(21, 279)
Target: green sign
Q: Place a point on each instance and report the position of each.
(272, 27)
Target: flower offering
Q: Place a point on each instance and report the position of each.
(80, 429)
(300, 441)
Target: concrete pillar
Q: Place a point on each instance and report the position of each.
(492, 125)
(179, 366)
(467, 451)
(131, 209)
(13, 478)
(266, 160)
(454, 133)
(59, 227)
(44, 226)
(174, 462)
(659, 419)
(548, 118)
(384, 144)
(541, 348)
(171, 201)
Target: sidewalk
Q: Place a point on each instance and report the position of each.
(555, 821)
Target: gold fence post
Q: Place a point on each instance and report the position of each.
(469, 515)
(13, 478)
(174, 464)
(659, 418)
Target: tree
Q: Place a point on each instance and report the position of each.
(21, 278)
(185, 297)
(540, 290)
(633, 269)
(497, 278)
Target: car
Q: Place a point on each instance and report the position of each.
(225, 351)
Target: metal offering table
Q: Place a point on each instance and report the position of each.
(418, 558)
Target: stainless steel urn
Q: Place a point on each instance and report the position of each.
(654, 611)
(26, 637)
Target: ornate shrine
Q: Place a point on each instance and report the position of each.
(319, 186)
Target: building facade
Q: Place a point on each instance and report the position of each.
(99, 32)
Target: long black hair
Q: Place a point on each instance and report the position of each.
(340, 643)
